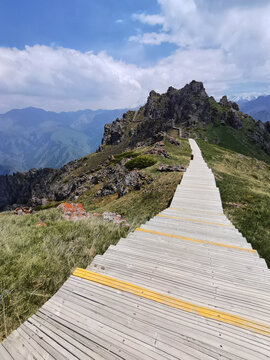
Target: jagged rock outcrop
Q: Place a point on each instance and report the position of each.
(184, 108)
(119, 180)
(21, 187)
(34, 187)
(230, 104)
(113, 133)
(230, 116)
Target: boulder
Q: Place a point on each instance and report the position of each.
(170, 168)
(113, 133)
(115, 218)
(159, 150)
(73, 211)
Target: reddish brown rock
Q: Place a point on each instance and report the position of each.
(22, 210)
(41, 224)
(73, 211)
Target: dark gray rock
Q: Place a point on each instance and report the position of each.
(113, 133)
(225, 102)
(120, 180)
(233, 119)
(171, 168)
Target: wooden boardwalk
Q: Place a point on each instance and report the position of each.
(186, 285)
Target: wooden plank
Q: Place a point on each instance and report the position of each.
(4, 354)
(17, 345)
(37, 350)
(90, 346)
(172, 322)
(42, 340)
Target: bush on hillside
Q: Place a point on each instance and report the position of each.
(140, 162)
(127, 154)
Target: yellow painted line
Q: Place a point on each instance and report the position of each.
(196, 240)
(199, 221)
(174, 302)
(194, 211)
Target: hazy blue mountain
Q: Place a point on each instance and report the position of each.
(258, 108)
(35, 138)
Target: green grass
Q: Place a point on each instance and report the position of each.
(228, 137)
(35, 261)
(246, 181)
(128, 154)
(140, 162)
(140, 205)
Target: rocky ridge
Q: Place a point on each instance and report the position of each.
(190, 109)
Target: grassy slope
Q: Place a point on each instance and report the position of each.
(228, 137)
(138, 206)
(35, 261)
(246, 181)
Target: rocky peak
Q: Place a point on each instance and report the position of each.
(153, 94)
(186, 108)
(195, 88)
(171, 91)
(225, 102)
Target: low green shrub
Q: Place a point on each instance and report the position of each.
(127, 154)
(140, 162)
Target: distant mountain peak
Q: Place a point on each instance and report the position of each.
(258, 108)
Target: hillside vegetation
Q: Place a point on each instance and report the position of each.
(36, 260)
(236, 140)
(244, 185)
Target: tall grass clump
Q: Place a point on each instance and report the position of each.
(36, 260)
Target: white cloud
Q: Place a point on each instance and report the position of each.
(59, 78)
(149, 19)
(151, 38)
(225, 44)
(237, 29)
(64, 79)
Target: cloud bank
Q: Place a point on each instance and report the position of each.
(224, 43)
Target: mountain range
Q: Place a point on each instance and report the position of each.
(258, 108)
(35, 138)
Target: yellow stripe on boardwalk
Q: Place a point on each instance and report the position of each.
(199, 221)
(195, 211)
(196, 240)
(174, 302)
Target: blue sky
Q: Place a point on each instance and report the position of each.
(77, 24)
(82, 25)
(74, 54)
